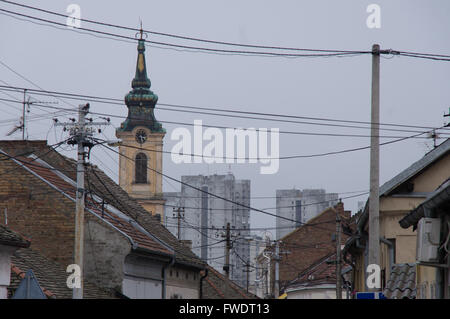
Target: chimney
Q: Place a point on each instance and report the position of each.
(340, 208)
(186, 243)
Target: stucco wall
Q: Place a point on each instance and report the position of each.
(392, 209)
(5, 269)
(182, 283)
(315, 293)
(152, 148)
(425, 282)
(104, 250)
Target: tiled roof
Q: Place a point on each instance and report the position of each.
(402, 282)
(309, 243)
(50, 275)
(320, 272)
(11, 238)
(217, 286)
(49, 175)
(416, 167)
(112, 193)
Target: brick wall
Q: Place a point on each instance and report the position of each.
(308, 243)
(33, 212)
(47, 218)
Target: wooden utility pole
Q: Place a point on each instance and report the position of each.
(374, 205)
(338, 257)
(179, 215)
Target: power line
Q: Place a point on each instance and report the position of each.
(279, 158)
(179, 46)
(206, 192)
(324, 52)
(256, 130)
(291, 206)
(185, 37)
(117, 101)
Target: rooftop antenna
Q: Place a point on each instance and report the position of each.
(25, 109)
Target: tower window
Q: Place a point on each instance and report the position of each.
(141, 168)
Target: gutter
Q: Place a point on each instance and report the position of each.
(360, 225)
(425, 209)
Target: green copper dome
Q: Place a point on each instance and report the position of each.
(141, 100)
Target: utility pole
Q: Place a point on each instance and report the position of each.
(228, 247)
(81, 134)
(338, 257)
(23, 114)
(79, 208)
(179, 215)
(277, 269)
(247, 270)
(374, 204)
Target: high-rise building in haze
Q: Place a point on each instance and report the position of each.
(205, 218)
(299, 206)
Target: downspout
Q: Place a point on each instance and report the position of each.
(201, 283)
(350, 283)
(169, 264)
(391, 252)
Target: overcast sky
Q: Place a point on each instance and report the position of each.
(413, 91)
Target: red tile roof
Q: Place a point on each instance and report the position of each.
(217, 286)
(47, 174)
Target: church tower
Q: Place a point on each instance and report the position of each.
(141, 143)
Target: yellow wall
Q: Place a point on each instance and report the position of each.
(425, 282)
(149, 195)
(392, 209)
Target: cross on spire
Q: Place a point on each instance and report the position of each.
(141, 31)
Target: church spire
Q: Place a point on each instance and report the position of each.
(141, 100)
(140, 79)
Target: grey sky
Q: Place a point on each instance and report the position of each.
(413, 91)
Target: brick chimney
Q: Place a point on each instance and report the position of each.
(186, 243)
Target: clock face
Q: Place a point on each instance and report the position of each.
(141, 136)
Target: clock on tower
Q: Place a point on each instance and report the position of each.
(141, 144)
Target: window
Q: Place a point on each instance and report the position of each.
(392, 240)
(141, 168)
